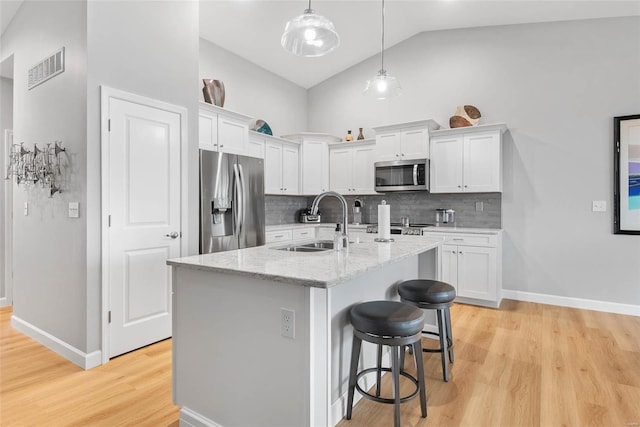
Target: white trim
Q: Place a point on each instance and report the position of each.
(7, 227)
(586, 304)
(105, 94)
(189, 418)
(82, 359)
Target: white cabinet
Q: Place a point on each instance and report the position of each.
(472, 264)
(467, 160)
(222, 130)
(314, 160)
(290, 234)
(257, 143)
(406, 141)
(281, 166)
(351, 169)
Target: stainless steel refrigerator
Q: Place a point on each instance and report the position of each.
(231, 202)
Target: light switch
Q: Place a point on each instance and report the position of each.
(599, 206)
(26, 208)
(479, 206)
(74, 209)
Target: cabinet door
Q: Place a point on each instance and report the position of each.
(208, 131)
(256, 146)
(388, 146)
(482, 163)
(273, 168)
(414, 144)
(232, 136)
(341, 160)
(446, 164)
(363, 169)
(290, 169)
(477, 273)
(450, 265)
(315, 167)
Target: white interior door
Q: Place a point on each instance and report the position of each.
(144, 209)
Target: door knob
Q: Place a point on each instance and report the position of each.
(173, 235)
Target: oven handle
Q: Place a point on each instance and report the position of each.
(415, 174)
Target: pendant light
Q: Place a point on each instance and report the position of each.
(382, 85)
(310, 35)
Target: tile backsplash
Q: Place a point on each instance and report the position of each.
(420, 207)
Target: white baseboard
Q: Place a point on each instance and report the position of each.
(587, 304)
(84, 360)
(189, 418)
(4, 302)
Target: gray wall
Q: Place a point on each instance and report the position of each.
(557, 86)
(254, 91)
(49, 249)
(150, 49)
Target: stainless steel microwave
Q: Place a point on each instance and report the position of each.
(402, 175)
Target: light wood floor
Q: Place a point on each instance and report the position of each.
(523, 365)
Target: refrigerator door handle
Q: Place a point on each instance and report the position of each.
(239, 202)
(243, 200)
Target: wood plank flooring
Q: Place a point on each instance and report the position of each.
(523, 365)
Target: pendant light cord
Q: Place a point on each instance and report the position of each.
(382, 51)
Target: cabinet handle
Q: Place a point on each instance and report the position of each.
(459, 186)
(279, 236)
(460, 252)
(466, 186)
(402, 154)
(458, 240)
(397, 155)
(221, 145)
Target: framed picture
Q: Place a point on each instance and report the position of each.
(626, 155)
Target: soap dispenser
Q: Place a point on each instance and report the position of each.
(337, 238)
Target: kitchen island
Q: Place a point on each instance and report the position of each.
(233, 364)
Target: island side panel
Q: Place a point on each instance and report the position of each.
(232, 366)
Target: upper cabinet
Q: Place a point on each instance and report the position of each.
(405, 141)
(281, 166)
(467, 160)
(223, 130)
(314, 160)
(351, 168)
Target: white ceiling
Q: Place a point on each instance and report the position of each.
(252, 28)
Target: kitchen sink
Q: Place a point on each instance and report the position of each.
(317, 246)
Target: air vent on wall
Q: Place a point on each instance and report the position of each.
(44, 70)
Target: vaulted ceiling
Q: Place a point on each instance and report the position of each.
(252, 28)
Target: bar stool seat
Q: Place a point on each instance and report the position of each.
(393, 324)
(439, 296)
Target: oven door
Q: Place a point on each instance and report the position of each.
(402, 175)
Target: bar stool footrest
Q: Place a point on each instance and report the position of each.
(370, 396)
(439, 349)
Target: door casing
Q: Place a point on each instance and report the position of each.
(107, 93)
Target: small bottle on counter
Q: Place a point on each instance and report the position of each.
(349, 137)
(360, 134)
(337, 238)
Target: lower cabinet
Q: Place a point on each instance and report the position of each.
(289, 234)
(472, 264)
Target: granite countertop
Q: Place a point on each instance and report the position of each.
(318, 269)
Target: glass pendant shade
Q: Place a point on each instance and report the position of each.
(382, 86)
(310, 35)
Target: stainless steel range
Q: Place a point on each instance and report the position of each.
(396, 228)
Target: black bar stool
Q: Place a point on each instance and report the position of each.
(433, 295)
(393, 324)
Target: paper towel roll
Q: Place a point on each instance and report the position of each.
(384, 221)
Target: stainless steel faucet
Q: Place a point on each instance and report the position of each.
(345, 211)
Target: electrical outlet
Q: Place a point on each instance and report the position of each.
(26, 208)
(479, 206)
(74, 210)
(288, 323)
(599, 206)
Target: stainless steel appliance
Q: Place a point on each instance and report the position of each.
(445, 216)
(402, 175)
(231, 202)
